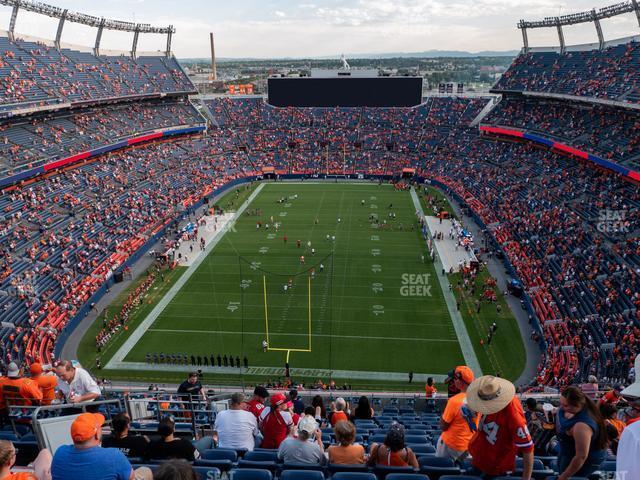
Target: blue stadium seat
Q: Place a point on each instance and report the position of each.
(377, 438)
(437, 467)
(219, 454)
(356, 468)
(301, 466)
(422, 449)
(206, 473)
(422, 439)
(272, 466)
(251, 474)
(352, 476)
(262, 456)
(222, 465)
(381, 471)
(546, 460)
(554, 477)
(463, 477)
(407, 476)
(540, 472)
(302, 475)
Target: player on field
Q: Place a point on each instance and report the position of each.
(265, 345)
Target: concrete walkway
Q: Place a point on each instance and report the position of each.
(189, 251)
(497, 270)
(469, 354)
(449, 255)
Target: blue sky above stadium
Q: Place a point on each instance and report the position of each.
(284, 28)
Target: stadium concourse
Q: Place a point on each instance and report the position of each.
(101, 156)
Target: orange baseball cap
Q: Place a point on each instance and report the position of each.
(465, 374)
(35, 368)
(85, 426)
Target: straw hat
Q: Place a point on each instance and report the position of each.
(489, 394)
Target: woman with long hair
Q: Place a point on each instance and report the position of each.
(363, 411)
(582, 435)
(393, 452)
(318, 404)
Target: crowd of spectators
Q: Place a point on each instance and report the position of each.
(50, 136)
(36, 74)
(571, 233)
(610, 73)
(569, 230)
(483, 429)
(605, 131)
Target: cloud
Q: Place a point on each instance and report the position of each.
(280, 28)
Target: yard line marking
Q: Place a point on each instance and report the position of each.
(322, 322)
(139, 332)
(352, 337)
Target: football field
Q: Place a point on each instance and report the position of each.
(365, 299)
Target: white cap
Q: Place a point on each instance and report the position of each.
(13, 371)
(307, 424)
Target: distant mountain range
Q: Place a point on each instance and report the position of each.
(425, 54)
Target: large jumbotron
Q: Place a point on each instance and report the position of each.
(343, 232)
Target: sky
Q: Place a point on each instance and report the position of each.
(312, 28)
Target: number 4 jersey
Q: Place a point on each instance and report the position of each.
(500, 436)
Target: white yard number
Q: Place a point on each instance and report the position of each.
(491, 430)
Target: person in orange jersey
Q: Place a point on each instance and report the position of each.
(46, 382)
(459, 423)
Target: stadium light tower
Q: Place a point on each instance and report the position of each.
(560, 35)
(596, 22)
(594, 16)
(636, 8)
(89, 20)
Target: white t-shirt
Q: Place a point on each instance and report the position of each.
(81, 384)
(628, 457)
(236, 429)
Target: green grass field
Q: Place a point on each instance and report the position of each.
(357, 314)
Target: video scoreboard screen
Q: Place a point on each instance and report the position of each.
(345, 92)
